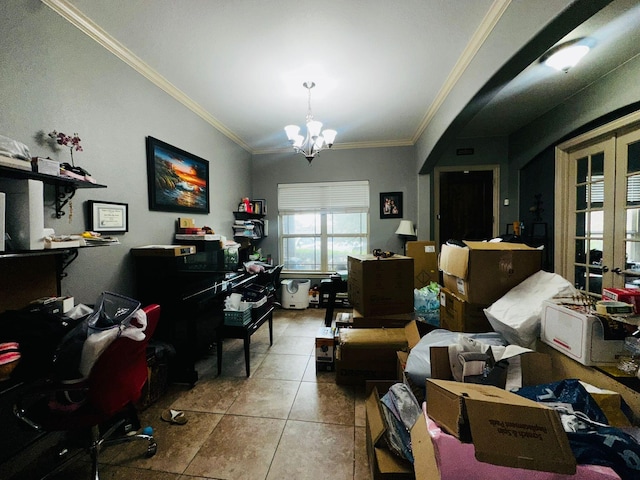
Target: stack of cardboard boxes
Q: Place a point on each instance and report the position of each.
(478, 274)
(381, 293)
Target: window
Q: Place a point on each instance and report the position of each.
(321, 224)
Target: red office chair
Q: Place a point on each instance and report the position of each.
(114, 385)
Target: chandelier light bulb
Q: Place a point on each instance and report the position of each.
(329, 137)
(292, 131)
(314, 127)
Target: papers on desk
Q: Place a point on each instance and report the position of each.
(96, 241)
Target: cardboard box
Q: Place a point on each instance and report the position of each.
(626, 295)
(482, 272)
(383, 463)
(371, 353)
(460, 316)
(380, 286)
(506, 429)
(355, 319)
(535, 367)
(581, 335)
(425, 263)
(46, 166)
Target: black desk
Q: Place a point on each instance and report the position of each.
(332, 287)
(245, 332)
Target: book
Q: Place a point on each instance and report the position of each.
(15, 163)
(61, 243)
(209, 237)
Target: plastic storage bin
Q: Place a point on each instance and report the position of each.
(294, 294)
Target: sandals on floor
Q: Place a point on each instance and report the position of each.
(174, 416)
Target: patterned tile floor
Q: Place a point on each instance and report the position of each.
(285, 421)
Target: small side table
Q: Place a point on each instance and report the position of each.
(244, 332)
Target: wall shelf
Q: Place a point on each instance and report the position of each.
(248, 216)
(65, 188)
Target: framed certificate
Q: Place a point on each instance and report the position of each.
(108, 217)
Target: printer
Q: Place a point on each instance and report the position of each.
(580, 334)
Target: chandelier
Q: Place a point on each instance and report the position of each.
(315, 140)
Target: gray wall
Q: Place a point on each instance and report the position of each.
(387, 169)
(55, 77)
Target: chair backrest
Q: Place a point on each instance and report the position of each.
(275, 277)
(119, 374)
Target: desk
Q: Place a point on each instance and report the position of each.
(245, 332)
(328, 290)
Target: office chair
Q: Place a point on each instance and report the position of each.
(271, 280)
(273, 287)
(113, 387)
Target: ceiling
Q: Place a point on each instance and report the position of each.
(383, 69)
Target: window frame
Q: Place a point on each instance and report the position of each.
(326, 206)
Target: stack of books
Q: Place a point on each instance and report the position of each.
(96, 241)
(247, 228)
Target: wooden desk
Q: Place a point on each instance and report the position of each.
(245, 332)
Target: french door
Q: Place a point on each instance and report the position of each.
(598, 207)
(626, 266)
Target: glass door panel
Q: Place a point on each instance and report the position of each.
(591, 202)
(627, 256)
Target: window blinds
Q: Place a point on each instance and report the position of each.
(327, 196)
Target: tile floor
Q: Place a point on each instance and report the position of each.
(285, 421)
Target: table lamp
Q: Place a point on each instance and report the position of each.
(406, 231)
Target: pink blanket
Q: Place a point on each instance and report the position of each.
(456, 460)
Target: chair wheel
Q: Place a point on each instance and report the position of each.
(151, 449)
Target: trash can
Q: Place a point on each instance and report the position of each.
(294, 293)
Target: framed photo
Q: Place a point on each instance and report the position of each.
(260, 207)
(178, 181)
(391, 205)
(108, 217)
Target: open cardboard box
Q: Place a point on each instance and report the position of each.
(482, 272)
(450, 405)
(383, 464)
(506, 428)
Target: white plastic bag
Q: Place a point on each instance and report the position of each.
(13, 149)
(517, 314)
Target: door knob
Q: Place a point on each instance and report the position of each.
(605, 269)
(617, 271)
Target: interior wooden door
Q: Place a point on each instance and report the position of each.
(466, 205)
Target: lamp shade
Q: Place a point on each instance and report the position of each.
(406, 228)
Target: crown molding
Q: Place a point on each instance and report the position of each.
(78, 19)
(487, 25)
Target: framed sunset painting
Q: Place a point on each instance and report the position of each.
(178, 180)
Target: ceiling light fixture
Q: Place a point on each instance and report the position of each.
(315, 140)
(566, 55)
